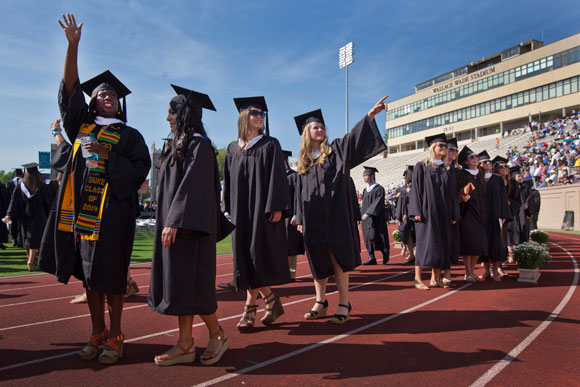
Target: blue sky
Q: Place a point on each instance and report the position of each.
(284, 50)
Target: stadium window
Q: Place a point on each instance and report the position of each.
(564, 58)
(503, 104)
(550, 62)
(537, 65)
(543, 63)
(552, 91)
(557, 61)
(526, 97)
(574, 85)
(559, 89)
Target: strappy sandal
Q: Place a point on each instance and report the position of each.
(420, 285)
(215, 348)
(274, 311)
(340, 319)
(113, 350)
(187, 356)
(246, 323)
(132, 287)
(314, 315)
(91, 350)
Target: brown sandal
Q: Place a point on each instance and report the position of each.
(216, 347)
(91, 350)
(113, 350)
(274, 311)
(246, 323)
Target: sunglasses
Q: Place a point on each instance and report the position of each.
(502, 166)
(485, 162)
(257, 113)
(471, 157)
(442, 146)
(450, 149)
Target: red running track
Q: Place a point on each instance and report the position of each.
(506, 333)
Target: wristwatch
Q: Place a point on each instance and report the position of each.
(56, 131)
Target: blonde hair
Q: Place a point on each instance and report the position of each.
(243, 126)
(305, 161)
(429, 160)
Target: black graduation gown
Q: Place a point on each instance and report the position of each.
(473, 223)
(255, 185)
(406, 227)
(183, 275)
(295, 242)
(455, 237)
(516, 226)
(31, 214)
(355, 210)
(433, 200)
(4, 202)
(497, 208)
(102, 265)
(534, 201)
(325, 208)
(375, 233)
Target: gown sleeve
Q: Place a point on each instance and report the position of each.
(378, 199)
(361, 143)
(73, 110)
(415, 200)
(127, 172)
(189, 208)
(298, 200)
(226, 187)
(60, 158)
(277, 199)
(16, 204)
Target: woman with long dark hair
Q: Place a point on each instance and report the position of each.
(325, 212)
(406, 223)
(432, 204)
(30, 207)
(473, 209)
(183, 270)
(255, 195)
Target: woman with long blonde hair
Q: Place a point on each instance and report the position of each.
(324, 211)
(432, 204)
(255, 194)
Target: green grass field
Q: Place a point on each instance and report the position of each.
(13, 260)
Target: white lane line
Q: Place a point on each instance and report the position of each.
(503, 363)
(27, 363)
(327, 341)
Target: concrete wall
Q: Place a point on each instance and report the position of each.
(556, 200)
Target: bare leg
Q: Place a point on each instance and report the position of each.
(292, 265)
(97, 309)
(115, 302)
(418, 282)
(342, 282)
(185, 341)
(320, 288)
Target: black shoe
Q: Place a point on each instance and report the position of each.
(371, 261)
(386, 257)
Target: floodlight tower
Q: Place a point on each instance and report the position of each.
(345, 59)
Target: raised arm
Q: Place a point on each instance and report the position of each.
(379, 107)
(73, 35)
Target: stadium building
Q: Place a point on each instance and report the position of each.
(525, 83)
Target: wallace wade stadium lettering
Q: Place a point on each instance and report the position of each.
(465, 79)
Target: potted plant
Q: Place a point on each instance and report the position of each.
(539, 236)
(397, 238)
(529, 257)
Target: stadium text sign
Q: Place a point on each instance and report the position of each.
(462, 80)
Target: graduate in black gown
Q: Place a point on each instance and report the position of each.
(516, 228)
(473, 210)
(29, 207)
(325, 213)
(534, 202)
(94, 223)
(432, 204)
(11, 186)
(455, 172)
(183, 270)
(406, 223)
(256, 195)
(295, 242)
(501, 169)
(373, 218)
(498, 212)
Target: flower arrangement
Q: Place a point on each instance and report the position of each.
(531, 255)
(539, 236)
(396, 236)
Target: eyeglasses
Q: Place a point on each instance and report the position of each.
(257, 113)
(442, 145)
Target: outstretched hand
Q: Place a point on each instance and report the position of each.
(379, 107)
(70, 28)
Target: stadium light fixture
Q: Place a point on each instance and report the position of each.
(345, 59)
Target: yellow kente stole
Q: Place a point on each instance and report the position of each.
(94, 190)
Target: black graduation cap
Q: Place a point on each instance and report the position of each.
(30, 167)
(452, 141)
(515, 170)
(440, 137)
(499, 159)
(195, 98)
(483, 155)
(370, 170)
(107, 80)
(287, 153)
(408, 170)
(463, 154)
(256, 102)
(306, 118)
(18, 172)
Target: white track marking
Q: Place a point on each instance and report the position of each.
(514, 353)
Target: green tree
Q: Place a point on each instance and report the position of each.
(5, 176)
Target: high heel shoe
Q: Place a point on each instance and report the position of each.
(274, 311)
(340, 319)
(113, 350)
(314, 315)
(246, 323)
(91, 350)
(187, 355)
(216, 347)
